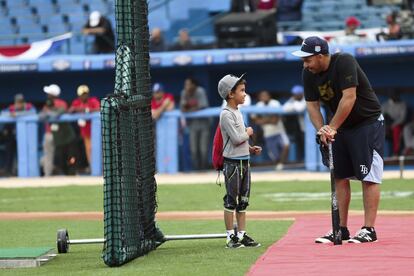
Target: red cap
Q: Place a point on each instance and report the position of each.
(352, 21)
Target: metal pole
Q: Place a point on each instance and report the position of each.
(401, 159)
(194, 237)
(86, 241)
(167, 238)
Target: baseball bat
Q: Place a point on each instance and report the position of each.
(334, 202)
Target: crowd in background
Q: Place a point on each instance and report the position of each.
(66, 147)
(270, 130)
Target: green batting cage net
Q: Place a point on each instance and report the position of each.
(128, 143)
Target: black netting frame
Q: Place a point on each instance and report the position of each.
(128, 143)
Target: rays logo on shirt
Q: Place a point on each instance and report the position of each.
(325, 91)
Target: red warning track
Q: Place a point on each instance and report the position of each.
(297, 254)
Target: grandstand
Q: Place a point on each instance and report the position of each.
(26, 21)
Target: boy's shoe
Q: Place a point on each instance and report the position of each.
(329, 237)
(365, 234)
(249, 242)
(234, 242)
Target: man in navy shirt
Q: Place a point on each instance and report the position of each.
(355, 128)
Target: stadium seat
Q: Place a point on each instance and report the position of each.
(57, 29)
(30, 29)
(19, 11)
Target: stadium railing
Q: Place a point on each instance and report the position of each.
(167, 139)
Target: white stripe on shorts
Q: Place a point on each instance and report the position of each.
(377, 169)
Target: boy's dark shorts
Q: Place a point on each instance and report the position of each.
(237, 181)
(358, 153)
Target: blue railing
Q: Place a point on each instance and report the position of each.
(27, 128)
(167, 139)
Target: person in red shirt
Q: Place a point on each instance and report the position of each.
(161, 101)
(8, 134)
(85, 104)
(21, 107)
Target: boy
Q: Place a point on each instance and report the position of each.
(236, 167)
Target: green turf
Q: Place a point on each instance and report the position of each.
(26, 252)
(202, 257)
(276, 196)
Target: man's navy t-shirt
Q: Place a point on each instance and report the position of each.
(343, 72)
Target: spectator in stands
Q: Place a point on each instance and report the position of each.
(276, 140)
(101, 28)
(184, 41)
(194, 98)
(350, 36)
(408, 135)
(289, 10)
(395, 112)
(57, 135)
(8, 134)
(394, 29)
(156, 43)
(161, 101)
(85, 104)
(266, 5)
(243, 6)
(21, 107)
(295, 124)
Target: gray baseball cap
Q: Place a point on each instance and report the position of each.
(227, 83)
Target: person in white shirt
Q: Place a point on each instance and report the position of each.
(296, 127)
(276, 140)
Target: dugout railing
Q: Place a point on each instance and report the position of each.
(167, 139)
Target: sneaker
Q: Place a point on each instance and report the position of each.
(329, 237)
(365, 234)
(249, 242)
(234, 242)
(279, 167)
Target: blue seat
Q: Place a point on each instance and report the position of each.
(55, 19)
(7, 42)
(57, 29)
(16, 4)
(20, 11)
(71, 8)
(29, 29)
(45, 9)
(25, 20)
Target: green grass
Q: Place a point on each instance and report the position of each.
(202, 257)
(205, 257)
(265, 196)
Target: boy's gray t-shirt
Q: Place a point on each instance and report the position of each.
(232, 125)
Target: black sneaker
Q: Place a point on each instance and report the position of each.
(329, 237)
(249, 242)
(365, 234)
(234, 242)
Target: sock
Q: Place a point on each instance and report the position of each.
(229, 233)
(240, 234)
(344, 229)
(370, 229)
